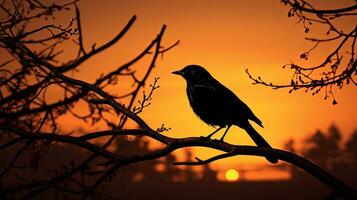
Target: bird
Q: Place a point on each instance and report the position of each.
(218, 106)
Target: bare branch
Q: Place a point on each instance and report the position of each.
(333, 71)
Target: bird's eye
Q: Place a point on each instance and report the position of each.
(192, 73)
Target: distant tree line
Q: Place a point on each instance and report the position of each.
(328, 150)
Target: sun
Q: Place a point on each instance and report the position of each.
(231, 175)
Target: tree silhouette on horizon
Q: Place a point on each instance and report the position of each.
(328, 150)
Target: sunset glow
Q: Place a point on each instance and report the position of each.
(178, 99)
(225, 37)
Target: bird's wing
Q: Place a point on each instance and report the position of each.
(222, 102)
(203, 100)
(245, 111)
(212, 100)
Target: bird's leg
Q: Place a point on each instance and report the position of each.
(210, 135)
(225, 132)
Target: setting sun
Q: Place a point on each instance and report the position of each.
(231, 175)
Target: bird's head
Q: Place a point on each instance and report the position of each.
(193, 73)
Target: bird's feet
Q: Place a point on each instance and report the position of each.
(209, 136)
(221, 140)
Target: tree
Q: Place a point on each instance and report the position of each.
(30, 119)
(324, 149)
(339, 67)
(328, 151)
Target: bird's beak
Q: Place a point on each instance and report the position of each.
(178, 72)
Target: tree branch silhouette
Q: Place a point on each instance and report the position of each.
(173, 144)
(23, 97)
(339, 67)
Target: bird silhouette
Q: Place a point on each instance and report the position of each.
(216, 105)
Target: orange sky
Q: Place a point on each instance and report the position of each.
(226, 37)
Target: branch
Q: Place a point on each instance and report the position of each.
(320, 11)
(62, 138)
(81, 46)
(100, 49)
(332, 11)
(173, 144)
(338, 68)
(27, 113)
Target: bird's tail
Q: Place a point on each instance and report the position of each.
(259, 140)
